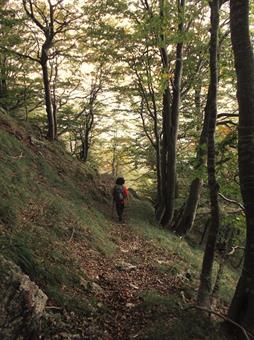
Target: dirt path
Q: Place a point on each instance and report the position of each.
(123, 278)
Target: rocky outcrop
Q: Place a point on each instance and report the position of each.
(22, 303)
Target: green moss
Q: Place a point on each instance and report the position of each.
(158, 304)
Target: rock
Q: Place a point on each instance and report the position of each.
(68, 336)
(130, 305)
(84, 283)
(91, 286)
(37, 142)
(96, 288)
(125, 266)
(22, 303)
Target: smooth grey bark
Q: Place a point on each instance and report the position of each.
(205, 288)
(166, 124)
(170, 123)
(242, 306)
(86, 134)
(52, 129)
(187, 218)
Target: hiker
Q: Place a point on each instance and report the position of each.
(120, 194)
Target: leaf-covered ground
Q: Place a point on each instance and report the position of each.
(103, 280)
(136, 293)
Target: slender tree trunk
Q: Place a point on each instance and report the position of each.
(205, 288)
(242, 306)
(158, 159)
(188, 216)
(84, 146)
(187, 219)
(166, 121)
(3, 76)
(48, 99)
(198, 108)
(53, 100)
(170, 125)
(219, 276)
(114, 157)
(84, 151)
(207, 225)
(158, 173)
(164, 154)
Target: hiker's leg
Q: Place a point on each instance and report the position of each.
(121, 212)
(119, 209)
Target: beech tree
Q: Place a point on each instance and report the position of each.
(242, 306)
(205, 287)
(170, 121)
(51, 20)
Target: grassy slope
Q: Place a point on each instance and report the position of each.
(53, 210)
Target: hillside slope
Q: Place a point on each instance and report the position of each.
(103, 280)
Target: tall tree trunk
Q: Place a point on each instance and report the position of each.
(205, 288)
(84, 145)
(164, 154)
(242, 306)
(48, 99)
(170, 124)
(84, 151)
(166, 121)
(187, 218)
(3, 76)
(158, 159)
(158, 173)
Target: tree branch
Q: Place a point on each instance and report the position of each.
(19, 54)
(232, 201)
(223, 317)
(31, 15)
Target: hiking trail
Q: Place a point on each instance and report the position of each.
(118, 283)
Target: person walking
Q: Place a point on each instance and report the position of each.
(120, 195)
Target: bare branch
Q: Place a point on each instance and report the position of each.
(19, 54)
(226, 122)
(234, 249)
(232, 201)
(30, 13)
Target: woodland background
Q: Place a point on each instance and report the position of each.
(148, 90)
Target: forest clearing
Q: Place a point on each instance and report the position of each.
(126, 169)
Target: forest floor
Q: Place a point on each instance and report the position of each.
(103, 280)
(137, 293)
(127, 279)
